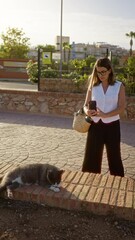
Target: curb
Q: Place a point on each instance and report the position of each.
(95, 193)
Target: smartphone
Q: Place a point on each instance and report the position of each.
(92, 105)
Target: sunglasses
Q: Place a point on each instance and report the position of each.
(102, 72)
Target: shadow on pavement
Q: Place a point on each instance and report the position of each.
(63, 122)
(128, 133)
(36, 120)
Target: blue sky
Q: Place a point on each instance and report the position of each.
(85, 21)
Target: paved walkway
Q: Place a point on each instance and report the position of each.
(26, 138)
(16, 84)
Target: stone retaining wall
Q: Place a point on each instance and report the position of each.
(41, 102)
(59, 103)
(130, 107)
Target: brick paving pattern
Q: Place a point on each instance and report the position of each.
(28, 138)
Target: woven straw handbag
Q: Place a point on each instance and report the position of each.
(79, 122)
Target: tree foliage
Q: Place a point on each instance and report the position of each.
(66, 48)
(47, 48)
(130, 66)
(128, 75)
(90, 61)
(32, 71)
(115, 61)
(131, 35)
(15, 44)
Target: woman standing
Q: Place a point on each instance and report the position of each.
(109, 95)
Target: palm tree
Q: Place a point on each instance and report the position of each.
(131, 35)
(69, 47)
(66, 47)
(64, 50)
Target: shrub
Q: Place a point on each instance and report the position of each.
(32, 71)
(49, 73)
(129, 83)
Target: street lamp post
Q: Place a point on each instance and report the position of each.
(39, 70)
(61, 18)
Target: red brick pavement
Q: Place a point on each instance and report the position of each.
(33, 138)
(96, 193)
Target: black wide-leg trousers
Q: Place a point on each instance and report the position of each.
(99, 135)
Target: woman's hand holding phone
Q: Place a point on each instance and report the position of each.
(92, 111)
(92, 107)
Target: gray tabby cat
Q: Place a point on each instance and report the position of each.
(38, 173)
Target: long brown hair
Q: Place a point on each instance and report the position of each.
(94, 79)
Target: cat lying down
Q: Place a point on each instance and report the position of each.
(37, 173)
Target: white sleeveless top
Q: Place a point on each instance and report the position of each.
(106, 102)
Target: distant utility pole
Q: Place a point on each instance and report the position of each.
(110, 57)
(107, 52)
(61, 18)
(39, 70)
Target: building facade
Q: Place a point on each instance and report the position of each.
(83, 50)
